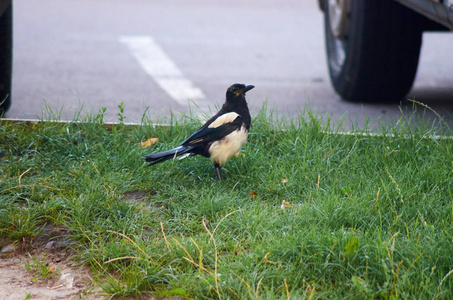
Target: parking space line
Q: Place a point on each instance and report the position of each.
(157, 64)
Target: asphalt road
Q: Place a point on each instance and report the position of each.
(83, 55)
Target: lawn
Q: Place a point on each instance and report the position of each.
(303, 212)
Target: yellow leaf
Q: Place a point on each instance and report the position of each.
(267, 260)
(149, 142)
(285, 205)
(253, 194)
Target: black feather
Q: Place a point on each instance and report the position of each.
(159, 157)
(208, 134)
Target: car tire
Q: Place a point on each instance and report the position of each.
(372, 49)
(6, 57)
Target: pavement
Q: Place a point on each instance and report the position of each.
(76, 57)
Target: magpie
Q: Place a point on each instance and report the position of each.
(220, 137)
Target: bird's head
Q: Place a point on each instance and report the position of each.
(237, 91)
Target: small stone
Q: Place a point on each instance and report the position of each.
(49, 245)
(67, 279)
(8, 248)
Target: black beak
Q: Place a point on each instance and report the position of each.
(247, 88)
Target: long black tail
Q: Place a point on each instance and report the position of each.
(159, 157)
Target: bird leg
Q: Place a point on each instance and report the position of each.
(219, 174)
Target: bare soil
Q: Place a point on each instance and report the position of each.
(66, 278)
(21, 267)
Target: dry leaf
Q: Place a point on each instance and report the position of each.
(149, 142)
(253, 194)
(238, 154)
(268, 261)
(284, 180)
(285, 205)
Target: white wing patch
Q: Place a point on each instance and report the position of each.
(222, 150)
(184, 156)
(223, 119)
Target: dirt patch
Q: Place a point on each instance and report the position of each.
(47, 268)
(137, 196)
(65, 282)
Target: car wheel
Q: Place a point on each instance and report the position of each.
(6, 57)
(373, 47)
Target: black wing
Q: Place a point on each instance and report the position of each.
(206, 135)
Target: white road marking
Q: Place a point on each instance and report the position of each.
(156, 63)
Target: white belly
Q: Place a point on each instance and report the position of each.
(221, 151)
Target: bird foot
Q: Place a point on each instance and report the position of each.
(219, 174)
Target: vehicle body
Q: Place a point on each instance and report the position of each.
(6, 54)
(373, 46)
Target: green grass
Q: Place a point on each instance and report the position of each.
(368, 216)
(40, 269)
